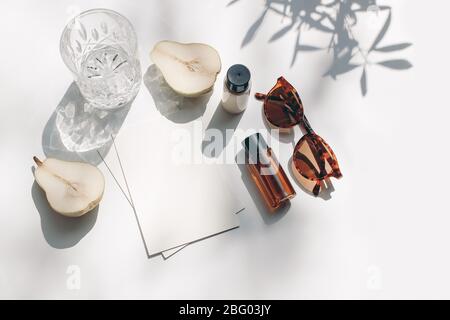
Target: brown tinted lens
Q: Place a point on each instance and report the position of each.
(283, 107)
(310, 156)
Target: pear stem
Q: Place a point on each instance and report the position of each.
(37, 161)
(40, 163)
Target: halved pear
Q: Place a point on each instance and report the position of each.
(190, 69)
(72, 188)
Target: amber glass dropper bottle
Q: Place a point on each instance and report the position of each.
(269, 176)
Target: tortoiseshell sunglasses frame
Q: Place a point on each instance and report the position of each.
(315, 142)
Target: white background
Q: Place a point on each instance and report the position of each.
(383, 234)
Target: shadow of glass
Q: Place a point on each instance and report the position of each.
(337, 20)
(268, 215)
(170, 104)
(326, 187)
(219, 132)
(77, 132)
(61, 232)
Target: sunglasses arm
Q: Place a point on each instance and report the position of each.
(260, 96)
(306, 125)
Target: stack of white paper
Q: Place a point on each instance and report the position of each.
(175, 203)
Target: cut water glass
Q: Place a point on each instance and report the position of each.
(100, 48)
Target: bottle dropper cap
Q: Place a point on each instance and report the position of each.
(238, 78)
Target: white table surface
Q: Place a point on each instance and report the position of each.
(383, 234)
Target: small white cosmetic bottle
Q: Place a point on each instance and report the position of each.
(236, 89)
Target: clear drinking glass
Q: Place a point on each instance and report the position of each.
(99, 46)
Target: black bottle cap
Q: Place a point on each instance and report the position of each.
(255, 142)
(256, 149)
(238, 78)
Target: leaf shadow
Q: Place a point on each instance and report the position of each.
(336, 19)
(249, 36)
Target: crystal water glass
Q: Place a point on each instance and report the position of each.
(99, 46)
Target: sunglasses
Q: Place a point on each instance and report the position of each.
(313, 158)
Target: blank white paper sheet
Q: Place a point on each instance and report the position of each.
(176, 201)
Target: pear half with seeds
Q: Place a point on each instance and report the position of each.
(190, 69)
(72, 188)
